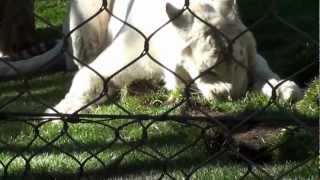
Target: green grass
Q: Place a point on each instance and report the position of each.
(52, 11)
(21, 142)
(50, 17)
(310, 104)
(27, 143)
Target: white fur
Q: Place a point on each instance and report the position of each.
(266, 80)
(107, 45)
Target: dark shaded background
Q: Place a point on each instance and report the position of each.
(286, 50)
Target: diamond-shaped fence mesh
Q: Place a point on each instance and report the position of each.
(140, 134)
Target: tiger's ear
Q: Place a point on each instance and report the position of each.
(180, 20)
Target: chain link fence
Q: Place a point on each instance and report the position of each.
(154, 139)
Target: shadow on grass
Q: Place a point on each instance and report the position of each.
(45, 34)
(132, 165)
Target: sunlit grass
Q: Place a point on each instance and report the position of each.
(51, 11)
(84, 144)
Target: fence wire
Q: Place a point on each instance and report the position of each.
(132, 145)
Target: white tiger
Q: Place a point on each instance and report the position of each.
(186, 46)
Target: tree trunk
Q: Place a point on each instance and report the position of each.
(17, 25)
